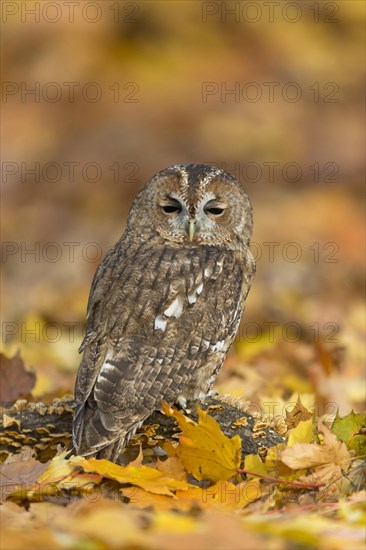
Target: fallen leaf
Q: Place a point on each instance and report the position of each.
(298, 414)
(102, 523)
(169, 522)
(18, 472)
(329, 460)
(217, 530)
(15, 380)
(145, 477)
(223, 495)
(351, 429)
(303, 433)
(61, 473)
(253, 463)
(309, 455)
(173, 467)
(308, 531)
(203, 449)
(22, 529)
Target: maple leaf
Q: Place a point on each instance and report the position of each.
(203, 449)
(61, 473)
(147, 478)
(19, 470)
(351, 430)
(15, 380)
(330, 458)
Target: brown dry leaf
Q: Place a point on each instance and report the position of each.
(308, 455)
(15, 380)
(203, 449)
(330, 459)
(324, 475)
(145, 477)
(297, 414)
(61, 473)
(19, 471)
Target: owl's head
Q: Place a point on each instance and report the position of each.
(193, 204)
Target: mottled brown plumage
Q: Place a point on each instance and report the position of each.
(165, 304)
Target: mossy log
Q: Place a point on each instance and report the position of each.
(46, 426)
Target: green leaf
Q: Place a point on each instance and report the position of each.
(351, 429)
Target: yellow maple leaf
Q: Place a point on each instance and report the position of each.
(203, 449)
(142, 476)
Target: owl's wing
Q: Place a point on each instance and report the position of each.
(154, 320)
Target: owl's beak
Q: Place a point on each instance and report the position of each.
(191, 229)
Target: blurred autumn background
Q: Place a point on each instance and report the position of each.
(99, 96)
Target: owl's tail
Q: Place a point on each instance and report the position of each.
(91, 435)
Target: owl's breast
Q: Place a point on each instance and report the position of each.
(201, 298)
(191, 297)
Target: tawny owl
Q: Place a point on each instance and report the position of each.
(164, 305)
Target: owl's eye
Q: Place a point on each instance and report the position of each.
(214, 210)
(172, 208)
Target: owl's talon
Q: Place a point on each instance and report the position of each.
(182, 404)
